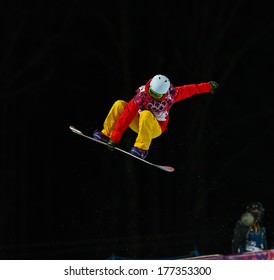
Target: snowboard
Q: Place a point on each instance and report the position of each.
(162, 167)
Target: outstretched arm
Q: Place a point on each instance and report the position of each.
(187, 91)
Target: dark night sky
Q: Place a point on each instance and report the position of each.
(65, 63)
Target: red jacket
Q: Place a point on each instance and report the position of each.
(159, 107)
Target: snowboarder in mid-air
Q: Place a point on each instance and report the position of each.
(147, 113)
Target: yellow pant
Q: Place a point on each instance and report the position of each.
(144, 124)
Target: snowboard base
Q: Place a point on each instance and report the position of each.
(162, 167)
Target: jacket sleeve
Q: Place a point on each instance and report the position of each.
(124, 120)
(265, 239)
(239, 237)
(187, 91)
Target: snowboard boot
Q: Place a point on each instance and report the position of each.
(98, 135)
(138, 152)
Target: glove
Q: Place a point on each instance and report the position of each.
(214, 85)
(111, 145)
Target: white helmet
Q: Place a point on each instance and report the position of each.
(160, 84)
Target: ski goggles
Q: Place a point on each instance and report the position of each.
(154, 93)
